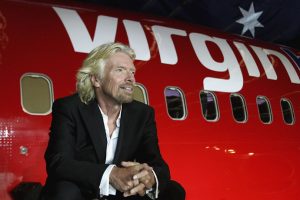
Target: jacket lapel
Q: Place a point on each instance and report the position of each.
(93, 120)
(121, 138)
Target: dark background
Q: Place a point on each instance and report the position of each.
(280, 18)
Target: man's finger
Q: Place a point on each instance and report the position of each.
(147, 167)
(130, 184)
(137, 168)
(129, 163)
(146, 180)
(142, 192)
(126, 194)
(139, 189)
(136, 182)
(140, 174)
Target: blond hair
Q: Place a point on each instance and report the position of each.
(94, 64)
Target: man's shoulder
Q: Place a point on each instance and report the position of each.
(138, 112)
(70, 98)
(136, 105)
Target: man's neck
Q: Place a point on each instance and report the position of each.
(110, 109)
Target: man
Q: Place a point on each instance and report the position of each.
(103, 144)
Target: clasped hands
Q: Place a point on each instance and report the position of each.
(132, 178)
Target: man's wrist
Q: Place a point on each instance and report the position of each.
(155, 186)
(105, 187)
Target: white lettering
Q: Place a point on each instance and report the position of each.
(267, 65)
(106, 29)
(137, 39)
(295, 58)
(287, 64)
(235, 81)
(248, 59)
(165, 43)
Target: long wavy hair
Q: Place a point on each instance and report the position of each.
(94, 64)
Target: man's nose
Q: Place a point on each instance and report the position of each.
(130, 77)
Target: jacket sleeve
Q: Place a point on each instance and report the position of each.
(60, 155)
(150, 152)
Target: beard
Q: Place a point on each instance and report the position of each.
(124, 98)
(117, 94)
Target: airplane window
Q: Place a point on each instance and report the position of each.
(140, 93)
(209, 106)
(287, 111)
(36, 94)
(238, 106)
(264, 109)
(175, 103)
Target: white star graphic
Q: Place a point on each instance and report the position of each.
(250, 20)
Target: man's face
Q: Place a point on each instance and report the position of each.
(118, 81)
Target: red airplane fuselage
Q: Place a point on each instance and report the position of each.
(216, 149)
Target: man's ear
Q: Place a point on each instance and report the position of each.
(95, 81)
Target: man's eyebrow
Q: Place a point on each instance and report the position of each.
(120, 67)
(123, 67)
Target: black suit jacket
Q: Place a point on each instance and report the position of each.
(77, 146)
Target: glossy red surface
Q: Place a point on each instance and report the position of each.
(222, 160)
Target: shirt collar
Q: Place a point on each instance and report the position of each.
(106, 117)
